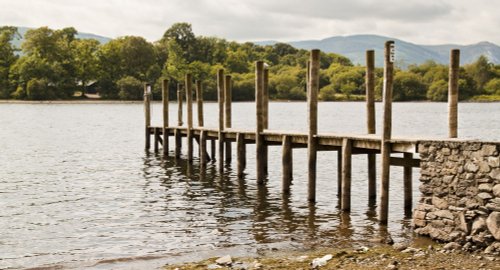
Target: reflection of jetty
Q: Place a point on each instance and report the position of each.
(345, 145)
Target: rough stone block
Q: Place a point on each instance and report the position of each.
(484, 196)
(439, 203)
(484, 167)
(471, 167)
(444, 214)
(479, 225)
(495, 174)
(488, 149)
(496, 190)
(493, 224)
(419, 214)
(485, 187)
(494, 162)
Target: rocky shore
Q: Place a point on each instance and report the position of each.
(397, 256)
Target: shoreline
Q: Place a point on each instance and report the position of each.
(382, 256)
(105, 101)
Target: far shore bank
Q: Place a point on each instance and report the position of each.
(106, 101)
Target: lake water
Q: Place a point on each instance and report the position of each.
(77, 189)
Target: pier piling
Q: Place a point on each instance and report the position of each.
(346, 174)
(370, 124)
(454, 69)
(147, 114)
(227, 113)
(287, 164)
(312, 100)
(259, 139)
(386, 132)
(220, 92)
(241, 154)
(164, 94)
(189, 109)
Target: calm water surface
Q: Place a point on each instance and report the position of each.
(77, 189)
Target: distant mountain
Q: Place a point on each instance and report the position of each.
(407, 53)
(22, 31)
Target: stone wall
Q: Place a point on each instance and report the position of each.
(460, 193)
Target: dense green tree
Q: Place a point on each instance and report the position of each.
(86, 61)
(438, 91)
(130, 88)
(493, 87)
(7, 59)
(481, 71)
(408, 86)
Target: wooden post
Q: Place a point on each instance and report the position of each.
(408, 185)
(227, 113)
(203, 148)
(241, 154)
(265, 111)
(287, 164)
(199, 103)
(370, 124)
(453, 93)
(386, 132)
(189, 108)
(339, 176)
(346, 174)
(179, 105)
(147, 113)
(259, 139)
(312, 99)
(164, 94)
(220, 91)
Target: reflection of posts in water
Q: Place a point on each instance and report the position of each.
(261, 214)
(345, 228)
(288, 217)
(311, 219)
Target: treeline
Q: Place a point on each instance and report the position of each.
(54, 64)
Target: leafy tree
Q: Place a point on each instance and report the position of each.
(7, 59)
(493, 87)
(130, 88)
(86, 61)
(438, 91)
(481, 71)
(183, 35)
(408, 86)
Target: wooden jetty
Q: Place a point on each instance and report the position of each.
(345, 145)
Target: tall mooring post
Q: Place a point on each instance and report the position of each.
(386, 132)
(164, 95)
(453, 93)
(147, 114)
(220, 92)
(370, 123)
(312, 102)
(227, 112)
(259, 139)
(177, 133)
(189, 109)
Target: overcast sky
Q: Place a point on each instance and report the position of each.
(417, 21)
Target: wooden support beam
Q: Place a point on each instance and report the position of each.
(220, 92)
(259, 139)
(178, 142)
(346, 174)
(212, 150)
(147, 114)
(179, 105)
(227, 113)
(199, 103)
(312, 100)
(386, 132)
(408, 186)
(241, 154)
(453, 93)
(164, 94)
(156, 141)
(405, 162)
(370, 124)
(203, 149)
(189, 108)
(265, 111)
(287, 164)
